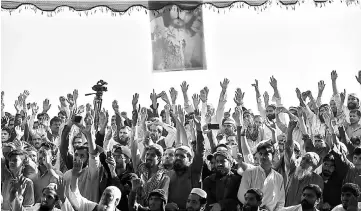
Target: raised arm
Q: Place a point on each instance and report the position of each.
(179, 118)
(276, 96)
(64, 144)
(321, 87)
(261, 107)
(289, 145)
(222, 101)
(334, 84)
(134, 144)
(197, 164)
(188, 107)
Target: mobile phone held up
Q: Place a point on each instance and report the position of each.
(77, 119)
(213, 126)
(109, 154)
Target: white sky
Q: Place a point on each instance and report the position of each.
(52, 56)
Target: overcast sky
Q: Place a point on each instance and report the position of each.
(52, 56)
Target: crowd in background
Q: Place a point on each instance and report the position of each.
(190, 157)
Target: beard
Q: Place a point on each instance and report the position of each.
(249, 208)
(148, 164)
(45, 208)
(179, 166)
(351, 106)
(221, 172)
(271, 117)
(168, 165)
(326, 173)
(119, 165)
(228, 132)
(301, 173)
(306, 205)
(124, 140)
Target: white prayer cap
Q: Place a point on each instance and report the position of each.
(199, 192)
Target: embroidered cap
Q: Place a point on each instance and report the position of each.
(199, 192)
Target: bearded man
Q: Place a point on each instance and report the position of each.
(300, 170)
(311, 196)
(186, 173)
(222, 186)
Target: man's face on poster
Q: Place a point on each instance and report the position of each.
(180, 18)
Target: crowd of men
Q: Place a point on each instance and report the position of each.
(193, 157)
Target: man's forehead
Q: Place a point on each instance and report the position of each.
(193, 196)
(250, 195)
(169, 151)
(48, 192)
(357, 156)
(309, 191)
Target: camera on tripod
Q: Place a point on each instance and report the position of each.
(99, 88)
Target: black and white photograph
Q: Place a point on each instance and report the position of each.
(116, 108)
(177, 39)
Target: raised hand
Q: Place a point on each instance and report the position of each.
(281, 110)
(46, 105)
(63, 102)
(273, 82)
(299, 95)
(224, 84)
(75, 95)
(271, 126)
(26, 94)
(227, 114)
(184, 86)
(238, 97)
(60, 188)
(164, 97)
(266, 98)
(343, 96)
(173, 95)
(17, 188)
(115, 106)
(19, 144)
(196, 100)
(181, 114)
(18, 106)
(326, 116)
(135, 100)
(238, 116)
(70, 100)
(81, 109)
(321, 86)
(111, 164)
(358, 78)
(154, 97)
(255, 85)
(333, 75)
(19, 131)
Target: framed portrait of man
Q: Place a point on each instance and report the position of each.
(177, 39)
